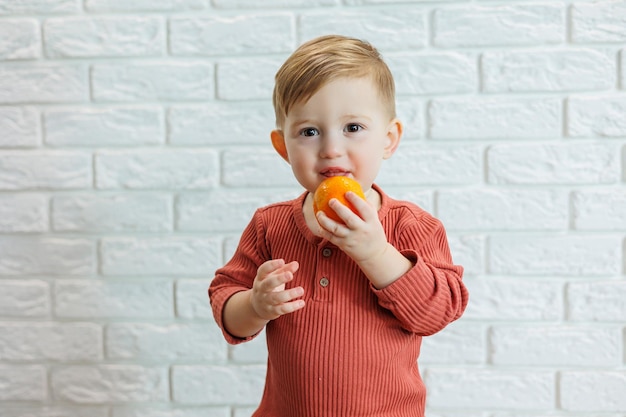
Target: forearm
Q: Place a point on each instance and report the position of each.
(386, 267)
(427, 298)
(239, 318)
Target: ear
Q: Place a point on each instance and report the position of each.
(278, 141)
(394, 134)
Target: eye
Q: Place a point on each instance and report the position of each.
(353, 128)
(309, 131)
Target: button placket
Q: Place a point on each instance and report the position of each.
(322, 286)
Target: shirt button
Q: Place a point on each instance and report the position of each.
(324, 282)
(326, 252)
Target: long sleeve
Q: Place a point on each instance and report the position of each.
(352, 350)
(239, 273)
(430, 295)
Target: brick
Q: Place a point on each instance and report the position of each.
(226, 210)
(230, 246)
(468, 251)
(155, 81)
(19, 39)
(594, 116)
(192, 299)
(593, 390)
(256, 167)
(244, 411)
(471, 26)
(38, 6)
(237, 34)
(624, 164)
(622, 65)
(163, 256)
(222, 411)
(510, 299)
(443, 347)
(80, 37)
(599, 210)
(54, 411)
(23, 383)
(24, 298)
(23, 213)
(599, 21)
(555, 345)
(246, 78)
(113, 299)
(598, 301)
(422, 198)
(108, 213)
(104, 126)
(46, 255)
(44, 83)
(164, 342)
(109, 383)
(220, 124)
(478, 388)
(442, 73)
(19, 127)
(417, 164)
(369, 2)
(548, 70)
(567, 255)
(211, 384)
(254, 351)
(494, 118)
(456, 413)
(24, 170)
(410, 111)
(66, 342)
(497, 209)
(570, 163)
(387, 29)
(143, 5)
(243, 4)
(154, 169)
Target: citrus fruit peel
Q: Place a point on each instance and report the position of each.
(335, 187)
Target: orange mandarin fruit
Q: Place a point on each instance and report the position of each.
(335, 187)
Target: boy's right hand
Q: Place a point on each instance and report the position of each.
(268, 297)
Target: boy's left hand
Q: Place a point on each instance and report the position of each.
(362, 236)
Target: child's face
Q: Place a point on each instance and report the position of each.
(343, 129)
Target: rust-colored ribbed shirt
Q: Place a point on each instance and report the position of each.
(352, 350)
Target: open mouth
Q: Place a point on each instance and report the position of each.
(335, 172)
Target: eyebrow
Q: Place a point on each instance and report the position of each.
(356, 116)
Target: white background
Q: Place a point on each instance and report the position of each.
(134, 147)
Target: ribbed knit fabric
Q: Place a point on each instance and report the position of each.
(352, 351)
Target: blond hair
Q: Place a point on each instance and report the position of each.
(325, 59)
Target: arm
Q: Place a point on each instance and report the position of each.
(412, 275)
(432, 294)
(247, 312)
(249, 290)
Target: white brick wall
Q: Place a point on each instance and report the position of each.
(134, 149)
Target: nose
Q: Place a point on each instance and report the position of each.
(331, 146)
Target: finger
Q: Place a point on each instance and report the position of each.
(345, 213)
(290, 307)
(277, 278)
(363, 207)
(270, 266)
(285, 273)
(286, 296)
(327, 225)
